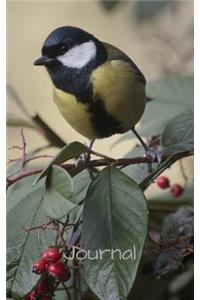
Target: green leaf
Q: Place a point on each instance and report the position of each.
(114, 217)
(81, 183)
(25, 210)
(148, 9)
(58, 198)
(171, 96)
(179, 132)
(175, 89)
(68, 152)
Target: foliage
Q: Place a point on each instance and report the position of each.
(148, 9)
(144, 10)
(99, 204)
(104, 204)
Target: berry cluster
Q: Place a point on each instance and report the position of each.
(176, 189)
(51, 265)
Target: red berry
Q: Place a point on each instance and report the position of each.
(52, 254)
(59, 270)
(176, 190)
(39, 266)
(42, 287)
(163, 182)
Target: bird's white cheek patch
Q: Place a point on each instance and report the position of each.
(79, 56)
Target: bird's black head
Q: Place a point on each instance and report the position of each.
(71, 47)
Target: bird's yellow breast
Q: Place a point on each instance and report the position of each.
(74, 112)
(123, 94)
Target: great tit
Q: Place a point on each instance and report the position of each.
(98, 89)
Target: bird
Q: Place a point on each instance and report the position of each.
(97, 88)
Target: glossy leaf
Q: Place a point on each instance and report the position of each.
(81, 183)
(114, 218)
(176, 89)
(68, 152)
(58, 198)
(137, 171)
(179, 132)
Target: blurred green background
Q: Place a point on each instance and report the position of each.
(157, 35)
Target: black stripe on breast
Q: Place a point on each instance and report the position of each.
(104, 124)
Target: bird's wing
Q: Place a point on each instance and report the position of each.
(116, 54)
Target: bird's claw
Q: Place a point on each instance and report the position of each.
(82, 159)
(155, 155)
(85, 157)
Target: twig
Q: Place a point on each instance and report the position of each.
(43, 226)
(38, 157)
(30, 159)
(12, 160)
(74, 170)
(23, 175)
(23, 149)
(183, 171)
(15, 147)
(102, 155)
(67, 291)
(61, 234)
(27, 159)
(170, 160)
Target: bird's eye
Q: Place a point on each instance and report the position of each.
(64, 48)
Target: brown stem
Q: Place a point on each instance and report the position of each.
(23, 149)
(43, 226)
(102, 155)
(15, 147)
(30, 159)
(73, 169)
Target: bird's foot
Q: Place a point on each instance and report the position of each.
(156, 155)
(82, 159)
(85, 157)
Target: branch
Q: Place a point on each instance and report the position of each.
(23, 149)
(37, 121)
(167, 158)
(31, 158)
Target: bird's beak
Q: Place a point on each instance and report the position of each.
(43, 60)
